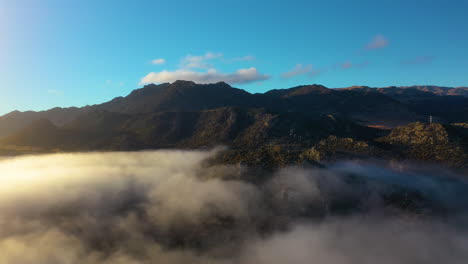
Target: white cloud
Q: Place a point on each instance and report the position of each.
(133, 207)
(300, 69)
(158, 61)
(379, 41)
(210, 76)
(201, 69)
(199, 62)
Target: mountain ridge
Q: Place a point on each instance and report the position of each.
(406, 104)
(309, 122)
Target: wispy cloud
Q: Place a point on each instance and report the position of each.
(378, 42)
(300, 69)
(158, 61)
(199, 62)
(347, 65)
(419, 60)
(240, 76)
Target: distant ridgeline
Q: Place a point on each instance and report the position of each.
(311, 124)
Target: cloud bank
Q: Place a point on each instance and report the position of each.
(200, 69)
(241, 76)
(170, 207)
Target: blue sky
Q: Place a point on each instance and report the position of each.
(73, 53)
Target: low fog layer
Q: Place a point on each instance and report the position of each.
(170, 207)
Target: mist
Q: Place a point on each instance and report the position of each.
(174, 207)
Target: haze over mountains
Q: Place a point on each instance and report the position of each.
(167, 206)
(284, 123)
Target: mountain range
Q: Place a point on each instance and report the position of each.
(305, 123)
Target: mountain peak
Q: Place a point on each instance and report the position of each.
(307, 89)
(183, 82)
(357, 87)
(148, 89)
(224, 84)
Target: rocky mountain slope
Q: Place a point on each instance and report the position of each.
(390, 107)
(302, 124)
